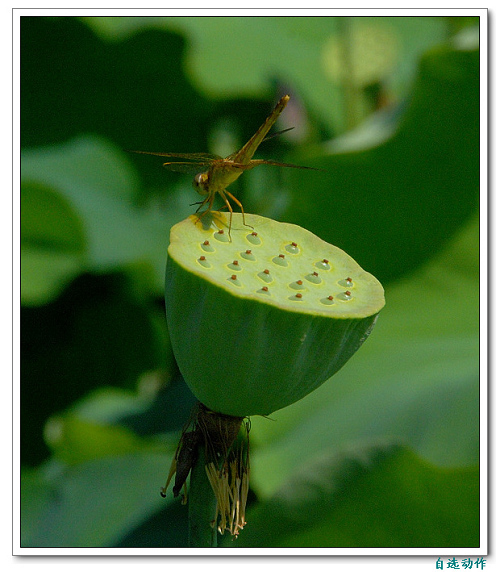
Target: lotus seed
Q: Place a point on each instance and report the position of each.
(292, 248)
(204, 262)
(234, 280)
(234, 265)
(328, 301)
(220, 236)
(265, 276)
(207, 247)
(347, 282)
(314, 278)
(264, 290)
(298, 285)
(248, 255)
(280, 260)
(254, 238)
(324, 264)
(345, 295)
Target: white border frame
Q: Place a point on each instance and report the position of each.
(458, 552)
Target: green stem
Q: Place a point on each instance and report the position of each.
(202, 505)
(351, 92)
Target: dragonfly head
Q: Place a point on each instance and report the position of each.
(200, 183)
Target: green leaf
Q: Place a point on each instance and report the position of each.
(75, 440)
(91, 430)
(100, 185)
(416, 378)
(53, 244)
(394, 204)
(35, 498)
(103, 481)
(376, 496)
(297, 51)
(92, 504)
(120, 91)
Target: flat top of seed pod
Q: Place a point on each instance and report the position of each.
(275, 263)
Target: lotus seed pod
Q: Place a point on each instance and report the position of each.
(262, 317)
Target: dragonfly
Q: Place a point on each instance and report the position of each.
(217, 173)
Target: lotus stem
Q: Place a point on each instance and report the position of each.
(202, 506)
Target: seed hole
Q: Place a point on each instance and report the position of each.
(207, 247)
(204, 262)
(344, 296)
(254, 238)
(346, 283)
(323, 264)
(248, 255)
(265, 275)
(234, 280)
(221, 236)
(314, 278)
(280, 260)
(234, 265)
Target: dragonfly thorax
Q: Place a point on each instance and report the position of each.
(200, 183)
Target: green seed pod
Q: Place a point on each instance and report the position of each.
(262, 317)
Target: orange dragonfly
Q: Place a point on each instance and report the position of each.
(221, 172)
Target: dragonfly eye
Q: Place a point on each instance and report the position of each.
(200, 183)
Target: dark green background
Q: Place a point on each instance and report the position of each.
(384, 454)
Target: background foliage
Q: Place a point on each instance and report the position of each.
(385, 453)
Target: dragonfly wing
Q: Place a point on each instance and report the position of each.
(206, 157)
(256, 162)
(277, 133)
(231, 166)
(186, 166)
(248, 150)
(233, 155)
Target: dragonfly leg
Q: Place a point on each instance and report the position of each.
(239, 204)
(209, 199)
(228, 204)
